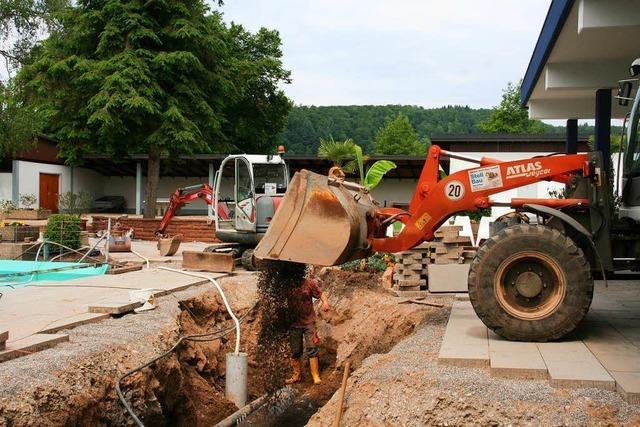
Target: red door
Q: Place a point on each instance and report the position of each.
(49, 189)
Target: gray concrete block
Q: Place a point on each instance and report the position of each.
(515, 359)
(571, 364)
(448, 278)
(628, 385)
(465, 341)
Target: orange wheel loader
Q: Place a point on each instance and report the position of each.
(529, 281)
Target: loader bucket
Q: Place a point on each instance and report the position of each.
(320, 221)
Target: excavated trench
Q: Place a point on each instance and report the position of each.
(188, 387)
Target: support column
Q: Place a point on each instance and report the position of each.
(572, 136)
(211, 175)
(15, 184)
(72, 180)
(603, 127)
(138, 188)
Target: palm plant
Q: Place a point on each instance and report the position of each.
(340, 153)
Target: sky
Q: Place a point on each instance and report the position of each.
(419, 52)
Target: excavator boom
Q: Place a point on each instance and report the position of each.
(327, 221)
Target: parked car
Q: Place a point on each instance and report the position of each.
(114, 204)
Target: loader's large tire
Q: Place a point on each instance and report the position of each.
(530, 283)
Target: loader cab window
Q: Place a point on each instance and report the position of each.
(270, 177)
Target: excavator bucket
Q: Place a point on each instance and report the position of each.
(320, 221)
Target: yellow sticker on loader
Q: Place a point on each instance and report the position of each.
(422, 221)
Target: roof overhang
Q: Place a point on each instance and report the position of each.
(584, 45)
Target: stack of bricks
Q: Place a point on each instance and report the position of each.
(410, 274)
(410, 270)
(449, 247)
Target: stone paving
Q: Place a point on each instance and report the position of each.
(33, 314)
(604, 352)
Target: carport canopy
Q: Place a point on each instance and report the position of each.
(585, 47)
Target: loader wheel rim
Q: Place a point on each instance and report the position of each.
(530, 285)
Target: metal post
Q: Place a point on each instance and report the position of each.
(603, 127)
(572, 136)
(106, 247)
(72, 182)
(211, 175)
(138, 188)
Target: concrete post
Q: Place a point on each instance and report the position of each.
(15, 184)
(138, 188)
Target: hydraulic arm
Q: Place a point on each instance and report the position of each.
(181, 197)
(327, 221)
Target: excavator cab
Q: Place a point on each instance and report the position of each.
(248, 190)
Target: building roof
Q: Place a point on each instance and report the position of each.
(408, 166)
(584, 45)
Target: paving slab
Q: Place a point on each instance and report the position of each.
(628, 385)
(611, 348)
(114, 307)
(31, 344)
(74, 321)
(515, 359)
(28, 310)
(4, 336)
(465, 341)
(571, 364)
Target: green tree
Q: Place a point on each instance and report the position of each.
(166, 78)
(22, 23)
(510, 116)
(399, 137)
(19, 121)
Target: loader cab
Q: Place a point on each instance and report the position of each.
(630, 168)
(248, 190)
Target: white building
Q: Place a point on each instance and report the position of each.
(31, 172)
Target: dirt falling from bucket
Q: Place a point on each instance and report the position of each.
(275, 282)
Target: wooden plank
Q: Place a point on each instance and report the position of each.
(208, 261)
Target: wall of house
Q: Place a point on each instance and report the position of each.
(391, 191)
(126, 186)
(6, 188)
(84, 179)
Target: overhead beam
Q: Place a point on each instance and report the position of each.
(585, 75)
(597, 14)
(578, 108)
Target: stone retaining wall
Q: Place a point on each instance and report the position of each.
(193, 230)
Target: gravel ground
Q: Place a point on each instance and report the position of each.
(407, 387)
(140, 331)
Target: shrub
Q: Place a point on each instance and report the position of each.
(63, 229)
(75, 203)
(27, 200)
(7, 206)
(376, 263)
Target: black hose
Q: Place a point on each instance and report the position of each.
(209, 336)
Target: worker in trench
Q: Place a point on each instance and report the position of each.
(302, 333)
